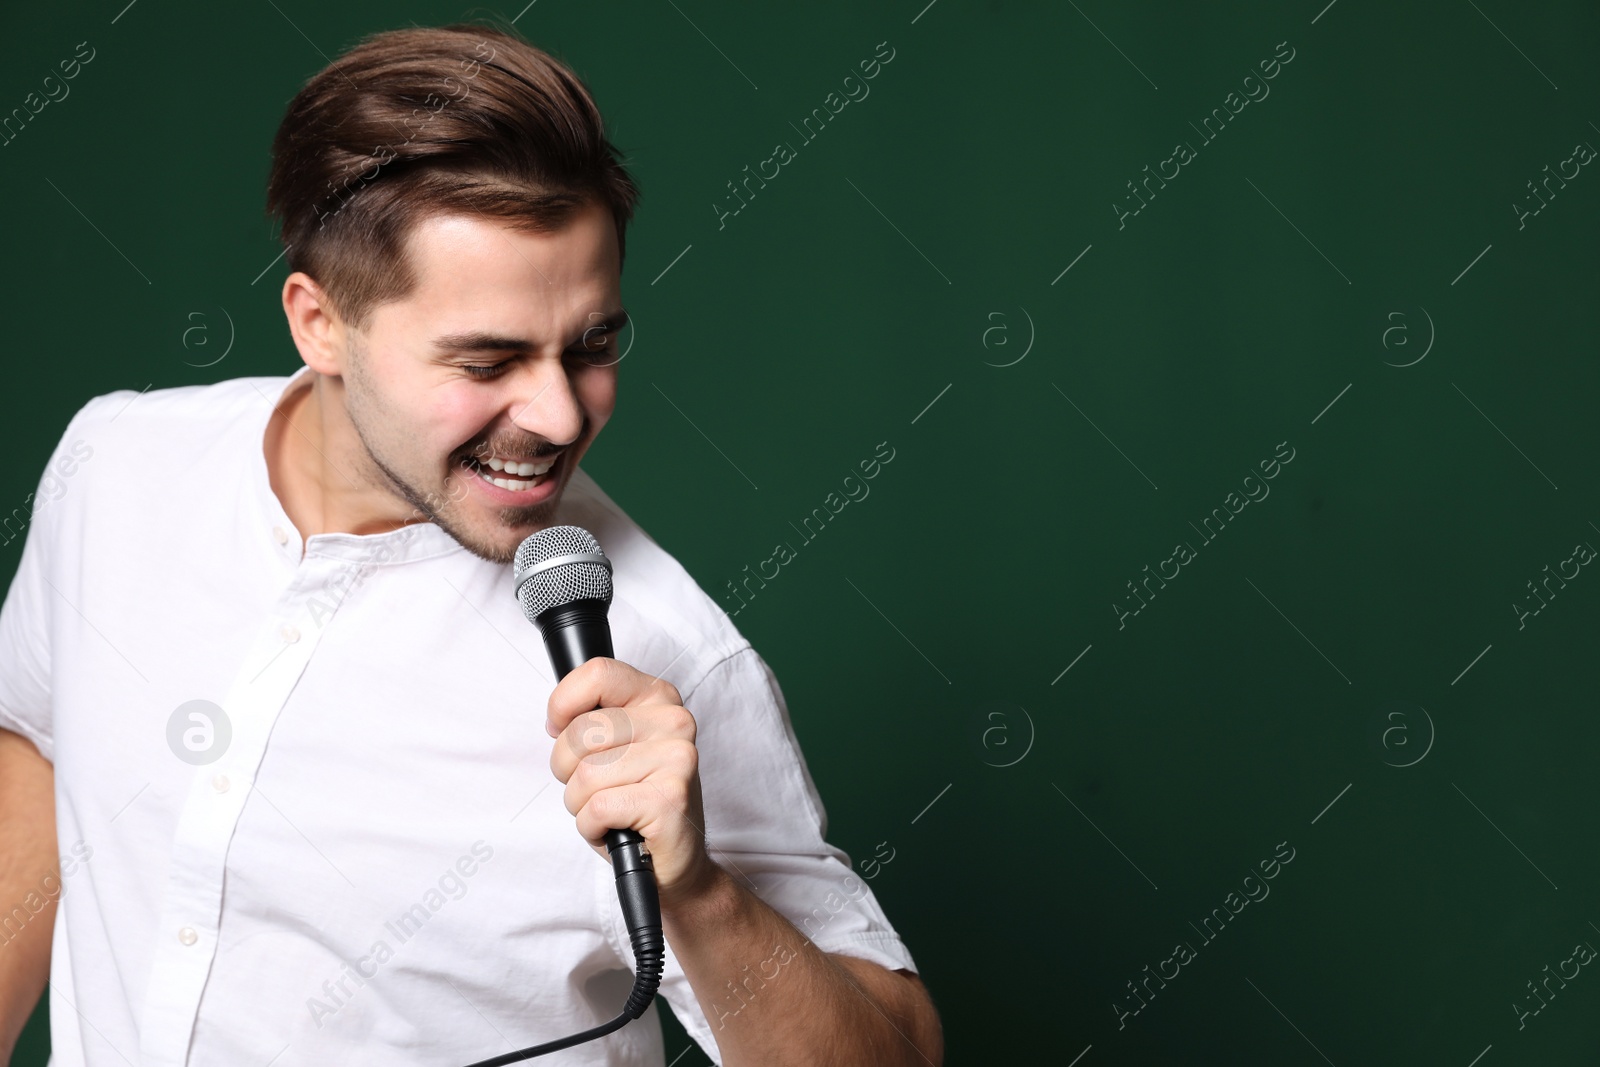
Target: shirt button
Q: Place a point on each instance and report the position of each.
(220, 783)
(290, 633)
(188, 936)
(280, 535)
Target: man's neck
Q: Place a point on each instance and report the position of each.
(310, 448)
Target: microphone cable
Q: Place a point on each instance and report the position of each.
(641, 912)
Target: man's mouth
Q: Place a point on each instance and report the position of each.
(512, 473)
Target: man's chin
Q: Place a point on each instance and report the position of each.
(495, 533)
(488, 545)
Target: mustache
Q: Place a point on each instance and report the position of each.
(484, 451)
(523, 451)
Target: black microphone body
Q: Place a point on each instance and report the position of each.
(575, 633)
(563, 582)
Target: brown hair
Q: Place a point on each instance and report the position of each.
(412, 123)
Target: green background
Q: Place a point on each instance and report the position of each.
(924, 638)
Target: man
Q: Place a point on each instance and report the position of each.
(263, 644)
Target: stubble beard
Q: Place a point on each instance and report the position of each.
(442, 510)
(444, 506)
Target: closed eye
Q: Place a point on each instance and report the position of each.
(600, 355)
(597, 349)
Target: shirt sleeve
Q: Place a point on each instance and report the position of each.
(765, 825)
(25, 618)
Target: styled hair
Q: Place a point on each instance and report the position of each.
(424, 121)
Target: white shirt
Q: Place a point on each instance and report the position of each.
(369, 860)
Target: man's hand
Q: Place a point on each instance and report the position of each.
(625, 750)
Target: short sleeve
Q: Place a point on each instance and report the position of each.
(25, 617)
(765, 825)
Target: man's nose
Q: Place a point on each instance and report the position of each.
(545, 403)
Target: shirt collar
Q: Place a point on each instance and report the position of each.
(416, 541)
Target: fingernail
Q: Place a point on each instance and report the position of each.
(550, 728)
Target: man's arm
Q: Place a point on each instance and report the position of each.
(27, 865)
(773, 998)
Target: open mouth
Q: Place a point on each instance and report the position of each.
(513, 474)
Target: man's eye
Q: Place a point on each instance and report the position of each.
(596, 352)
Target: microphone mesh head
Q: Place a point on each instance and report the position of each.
(564, 582)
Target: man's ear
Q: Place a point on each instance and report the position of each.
(317, 330)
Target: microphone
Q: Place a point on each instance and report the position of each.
(563, 581)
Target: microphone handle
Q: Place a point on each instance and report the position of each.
(574, 633)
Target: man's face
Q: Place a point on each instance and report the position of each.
(540, 315)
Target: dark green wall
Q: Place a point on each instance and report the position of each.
(1360, 215)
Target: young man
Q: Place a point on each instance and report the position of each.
(262, 642)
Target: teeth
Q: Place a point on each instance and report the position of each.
(514, 485)
(524, 470)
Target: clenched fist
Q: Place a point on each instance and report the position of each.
(625, 750)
